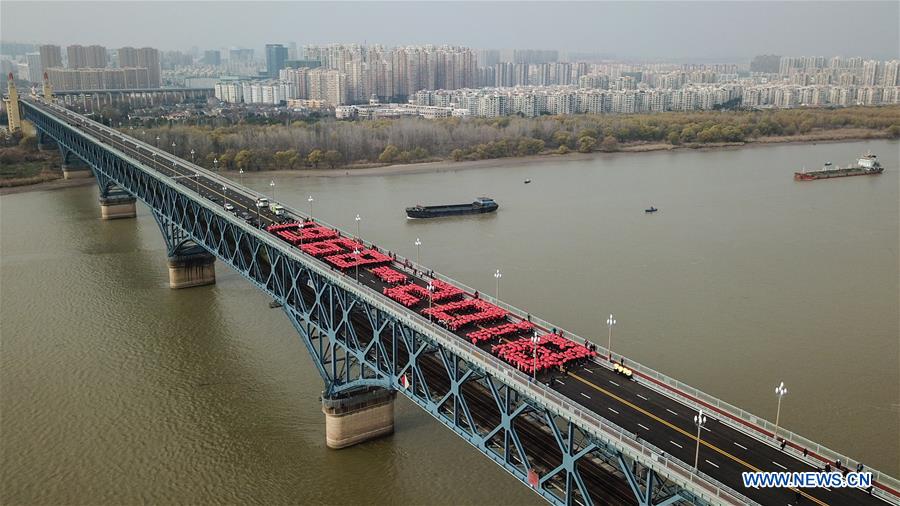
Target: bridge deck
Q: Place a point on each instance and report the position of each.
(663, 420)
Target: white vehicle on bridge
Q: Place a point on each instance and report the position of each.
(229, 207)
(277, 209)
(262, 202)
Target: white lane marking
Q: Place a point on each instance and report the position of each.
(614, 411)
(676, 444)
(613, 382)
(588, 370)
(713, 464)
(740, 445)
(642, 397)
(560, 382)
(779, 465)
(643, 426)
(585, 395)
(670, 411)
(705, 428)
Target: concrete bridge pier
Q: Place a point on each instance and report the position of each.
(192, 266)
(355, 417)
(117, 204)
(75, 168)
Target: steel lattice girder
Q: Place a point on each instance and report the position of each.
(355, 344)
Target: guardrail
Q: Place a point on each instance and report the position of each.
(649, 455)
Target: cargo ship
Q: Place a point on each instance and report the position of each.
(865, 166)
(481, 205)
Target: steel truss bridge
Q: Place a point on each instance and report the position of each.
(578, 441)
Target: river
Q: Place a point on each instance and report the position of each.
(116, 389)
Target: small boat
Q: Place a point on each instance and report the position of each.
(527, 181)
(651, 209)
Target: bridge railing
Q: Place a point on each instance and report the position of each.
(683, 392)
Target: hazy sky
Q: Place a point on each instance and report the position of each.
(641, 30)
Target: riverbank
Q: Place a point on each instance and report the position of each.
(369, 169)
(827, 136)
(48, 185)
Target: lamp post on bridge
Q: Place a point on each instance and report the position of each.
(225, 194)
(780, 391)
(196, 175)
(310, 199)
(610, 322)
(240, 173)
(700, 420)
(357, 219)
(173, 149)
(157, 142)
(192, 155)
(418, 244)
(356, 253)
(497, 276)
(272, 185)
(535, 340)
(216, 165)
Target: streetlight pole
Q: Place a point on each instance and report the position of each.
(157, 142)
(611, 321)
(497, 276)
(418, 243)
(240, 172)
(356, 252)
(196, 175)
(272, 185)
(192, 156)
(700, 420)
(225, 193)
(780, 391)
(358, 219)
(536, 340)
(216, 165)
(173, 149)
(310, 199)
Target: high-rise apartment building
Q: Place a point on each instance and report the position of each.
(51, 56)
(35, 68)
(145, 57)
(86, 56)
(276, 55)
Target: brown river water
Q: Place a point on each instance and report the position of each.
(115, 389)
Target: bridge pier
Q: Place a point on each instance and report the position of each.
(193, 266)
(116, 205)
(76, 169)
(356, 417)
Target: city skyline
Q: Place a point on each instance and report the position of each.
(642, 31)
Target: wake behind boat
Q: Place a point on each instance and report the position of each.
(481, 205)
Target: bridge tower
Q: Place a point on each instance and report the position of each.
(12, 106)
(48, 89)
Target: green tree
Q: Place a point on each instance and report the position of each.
(389, 154)
(609, 143)
(285, 159)
(457, 155)
(315, 157)
(562, 149)
(332, 158)
(243, 159)
(586, 144)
